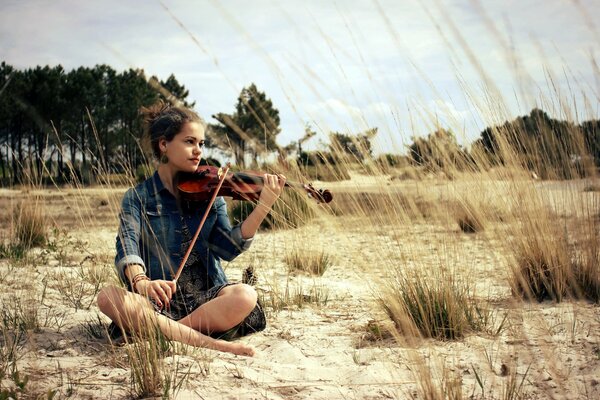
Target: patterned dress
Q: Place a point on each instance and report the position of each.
(194, 288)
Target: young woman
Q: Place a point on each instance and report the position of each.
(154, 234)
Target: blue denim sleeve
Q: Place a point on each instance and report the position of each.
(226, 241)
(127, 241)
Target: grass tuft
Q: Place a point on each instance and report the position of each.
(146, 352)
(549, 267)
(313, 263)
(293, 296)
(430, 386)
(438, 306)
(31, 226)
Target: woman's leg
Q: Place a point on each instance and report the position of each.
(231, 306)
(133, 312)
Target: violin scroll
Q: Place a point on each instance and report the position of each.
(320, 195)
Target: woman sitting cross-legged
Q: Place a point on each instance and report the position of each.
(201, 307)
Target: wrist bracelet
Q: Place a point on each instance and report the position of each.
(136, 279)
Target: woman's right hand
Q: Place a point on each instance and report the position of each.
(159, 290)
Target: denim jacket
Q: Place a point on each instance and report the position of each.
(150, 234)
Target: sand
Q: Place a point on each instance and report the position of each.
(323, 351)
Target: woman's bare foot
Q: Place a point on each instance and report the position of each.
(239, 349)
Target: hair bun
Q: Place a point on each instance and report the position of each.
(154, 112)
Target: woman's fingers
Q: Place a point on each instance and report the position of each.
(282, 180)
(173, 286)
(167, 290)
(275, 181)
(153, 294)
(158, 290)
(162, 292)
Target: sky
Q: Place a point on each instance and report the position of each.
(406, 67)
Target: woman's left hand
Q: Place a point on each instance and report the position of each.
(272, 188)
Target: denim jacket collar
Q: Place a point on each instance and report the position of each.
(155, 185)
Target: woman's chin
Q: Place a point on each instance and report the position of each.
(188, 167)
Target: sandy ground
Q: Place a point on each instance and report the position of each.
(321, 351)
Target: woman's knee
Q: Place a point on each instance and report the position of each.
(245, 296)
(107, 299)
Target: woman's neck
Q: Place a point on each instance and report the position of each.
(167, 175)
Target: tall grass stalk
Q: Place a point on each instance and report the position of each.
(146, 352)
(435, 385)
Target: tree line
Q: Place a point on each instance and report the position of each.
(72, 126)
(552, 148)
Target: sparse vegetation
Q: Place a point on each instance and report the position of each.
(439, 306)
(308, 261)
(553, 262)
(31, 226)
(293, 296)
(446, 386)
(469, 217)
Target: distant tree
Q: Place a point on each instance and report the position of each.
(309, 133)
(227, 135)
(7, 73)
(438, 150)
(87, 118)
(256, 115)
(134, 91)
(296, 146)
(537, 142)
(253, 127)
(357, 147)
(591, 134)
(171, 91)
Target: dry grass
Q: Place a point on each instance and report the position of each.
(146, 353)
(469, 217)
(295, 210)
(439, 305)
(308, 261)
(30, 224)
(556, 258)
(293, 296)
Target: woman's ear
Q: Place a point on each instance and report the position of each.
(162, 145)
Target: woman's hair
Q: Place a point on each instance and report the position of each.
(162, 120)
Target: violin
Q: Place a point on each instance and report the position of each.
(247, 185)
(208, 182)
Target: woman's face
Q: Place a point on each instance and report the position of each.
(185, 150)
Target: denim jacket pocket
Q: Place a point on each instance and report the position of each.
(157, 226)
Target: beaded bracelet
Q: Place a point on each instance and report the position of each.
(139, 277)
